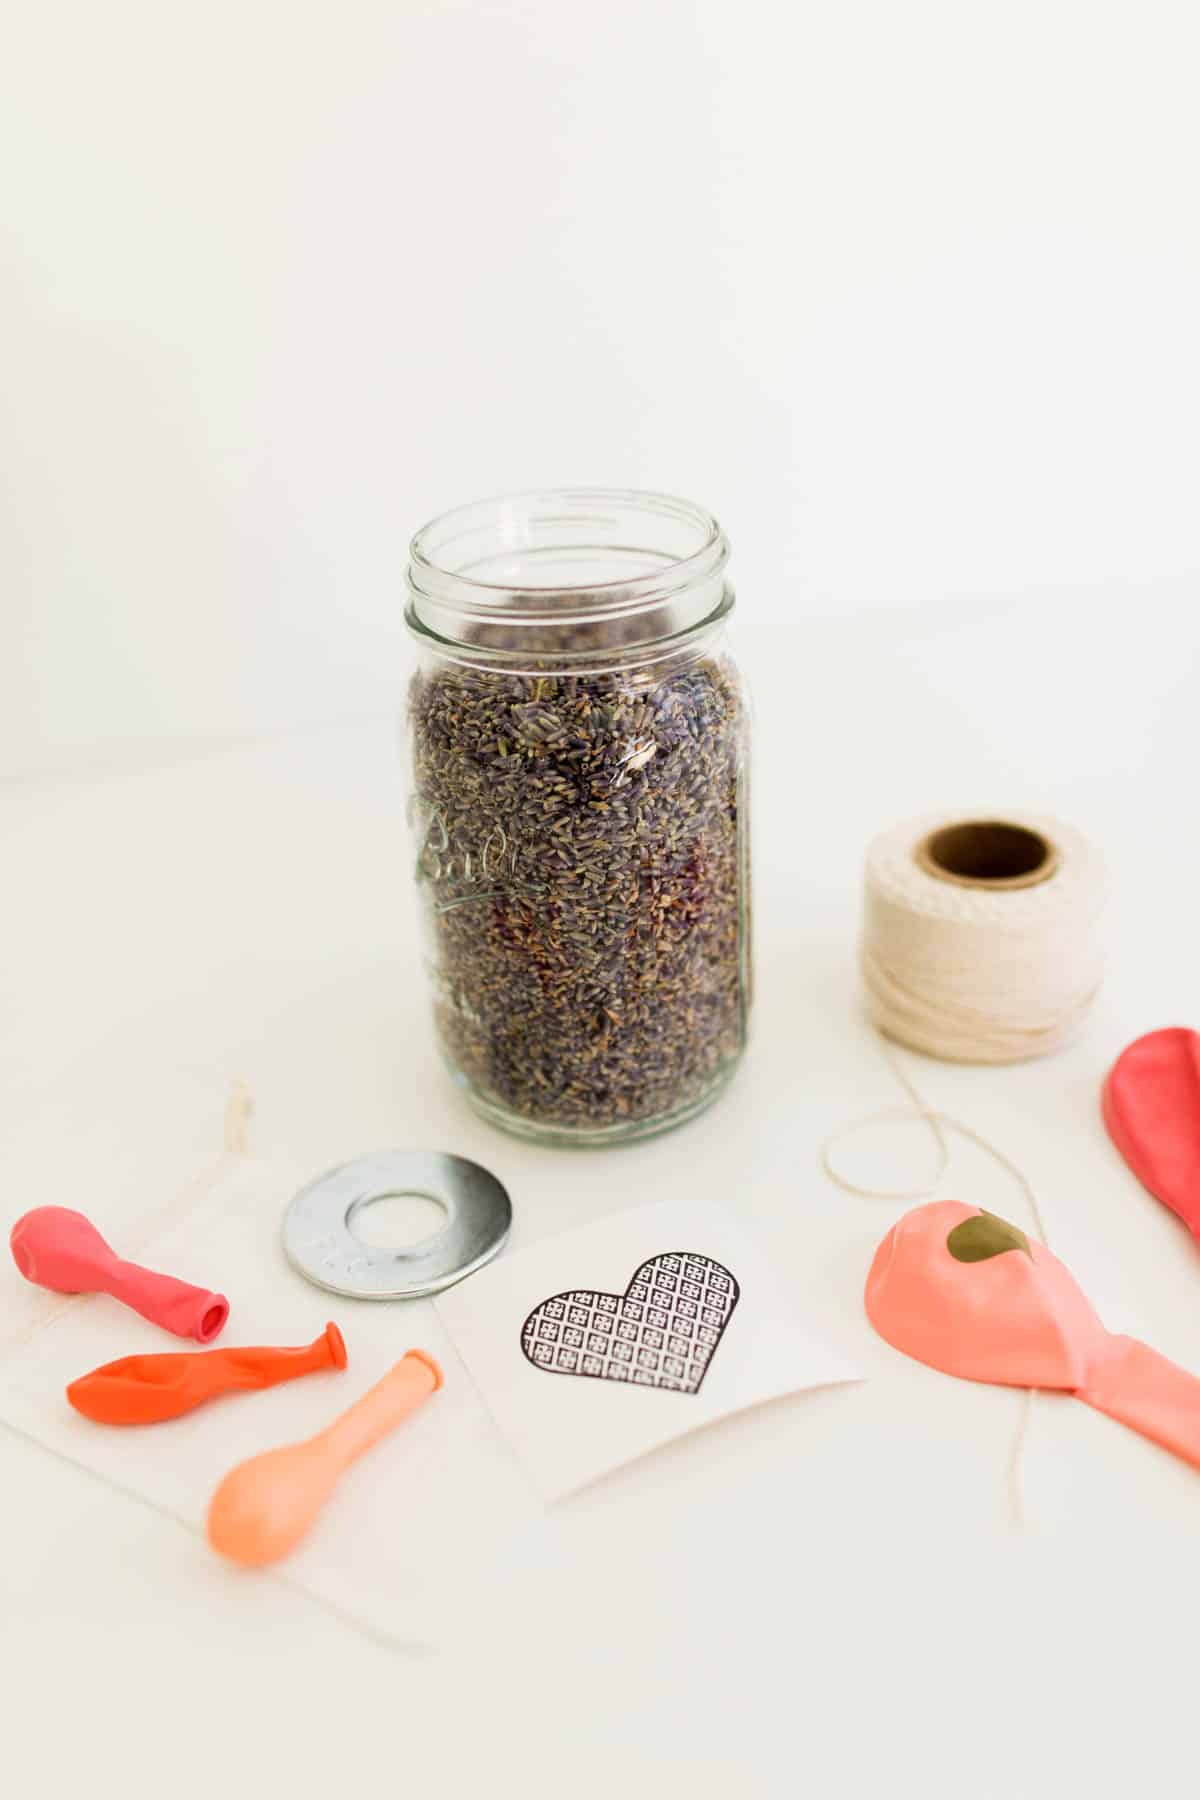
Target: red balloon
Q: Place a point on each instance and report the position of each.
(1151, 1106)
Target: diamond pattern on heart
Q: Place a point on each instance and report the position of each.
(662, 1332)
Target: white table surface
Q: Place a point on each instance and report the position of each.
(827, 1596)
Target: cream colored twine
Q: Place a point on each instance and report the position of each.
(979, 973)
(239, 1114)
(920, 1112)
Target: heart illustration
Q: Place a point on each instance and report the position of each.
(662, 1332)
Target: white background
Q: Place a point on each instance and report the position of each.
(907, 294)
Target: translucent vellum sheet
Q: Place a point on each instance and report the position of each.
(451, 1506)
(407, 1534)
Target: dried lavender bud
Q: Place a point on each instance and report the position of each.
(582, 850)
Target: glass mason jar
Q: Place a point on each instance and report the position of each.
(579, 758)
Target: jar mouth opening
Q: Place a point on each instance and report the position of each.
(591, 650)
(567, 555)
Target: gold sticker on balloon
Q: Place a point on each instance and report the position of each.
(984, 1236)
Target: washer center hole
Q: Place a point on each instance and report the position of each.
(398, 1221)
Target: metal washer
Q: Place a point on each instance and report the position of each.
(319, 1243)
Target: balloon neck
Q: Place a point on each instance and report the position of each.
(1134, 1384)
(329, 1350)
(404, 1388)
(177, 1306)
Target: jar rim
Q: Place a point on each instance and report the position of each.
(531, 658)
(443, 583)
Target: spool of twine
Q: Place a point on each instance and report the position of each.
(981, 936)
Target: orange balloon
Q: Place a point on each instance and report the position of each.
(264, 1507)
(141, 1390)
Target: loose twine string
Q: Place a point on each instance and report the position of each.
(918, 1111)
(974, 973)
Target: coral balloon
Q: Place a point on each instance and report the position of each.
(971, 1295)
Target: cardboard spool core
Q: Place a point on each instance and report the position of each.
(987, 853)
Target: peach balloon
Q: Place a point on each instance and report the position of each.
(967, 1293)
(265, 1507)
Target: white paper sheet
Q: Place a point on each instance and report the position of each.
(413, 1531)
(603, 1343)
(441, 1524)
